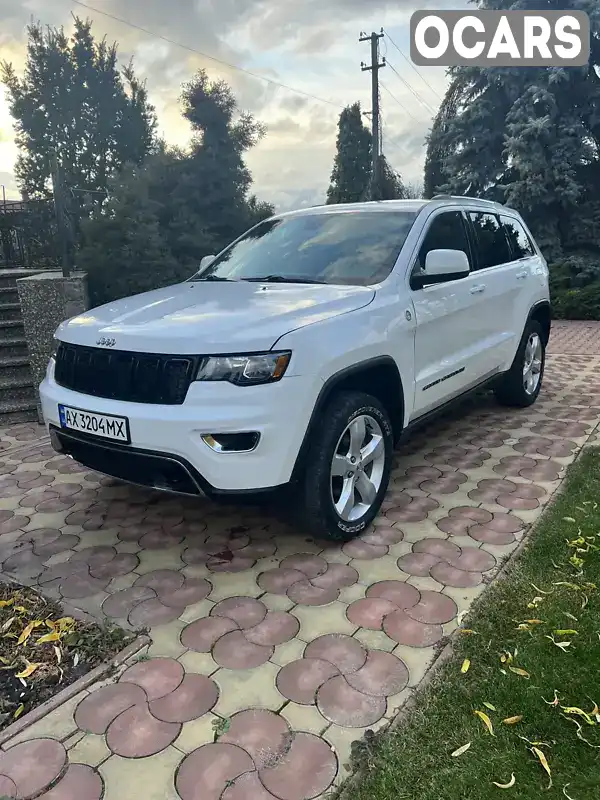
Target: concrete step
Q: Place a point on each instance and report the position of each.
(16, 392)
(13, 411)
(10, 328)
(16, 367)
(9, 277)
(10, 311)
(9, 294)
(15, 346)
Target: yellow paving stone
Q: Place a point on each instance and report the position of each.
(375, 640)
(202, 663)
(159, 559)
(500, 551)
(58, 558)
(320, 620)
(151, 778)
(91, 750)
(396, 702)
(122, 582)
(417, 659)
(196, 611)
(127, 547)
(304, 718)
(340, 739)
(277, 602)
(57, 725)
(334, 555)
(351, 593)
(380, 569)
(45, 520)
(250, 688)
(464, 597)
(197, 571)
(425, 584)
(165, 640)
(235, 584)
(196, 733)
(287, 652)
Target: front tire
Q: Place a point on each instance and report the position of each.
(521, 385)
(348, 466)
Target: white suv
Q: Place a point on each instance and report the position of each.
(303, 351)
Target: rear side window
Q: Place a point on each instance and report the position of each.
(446, 232)
(520, 243)
(490, 240)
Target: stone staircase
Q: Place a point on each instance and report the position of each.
(17, 393)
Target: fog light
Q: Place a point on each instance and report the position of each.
(231, 442)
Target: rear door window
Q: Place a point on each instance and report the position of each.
(520, 243)
(490, 240)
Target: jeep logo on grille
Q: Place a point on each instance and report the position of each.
(104, 342)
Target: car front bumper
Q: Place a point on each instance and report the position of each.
(167, 449)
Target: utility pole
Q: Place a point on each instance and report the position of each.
(374, 68)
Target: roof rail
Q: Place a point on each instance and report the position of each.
(466, 199)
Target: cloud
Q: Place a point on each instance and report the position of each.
(311, 45)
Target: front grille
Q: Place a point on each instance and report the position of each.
(134, 466)
(122, 375)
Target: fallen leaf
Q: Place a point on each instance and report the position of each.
(580, 734)
(486, 721)
(554, 702)
(468, 631)
(535, 621)
(568, 519)
(49, 637)
(465, 666)
(490, 706)
(566, 632)
(29, 670)
(19, 711)
(578, 712)
(461, 750)
(5, 603)
(508, 785)
(58, 654)
(27, 631)
(521, 672)
(513, 720)
(570, 616)
(461, 616)
(541, 591)
(7, 624)
(506, 657)
(568, 796)
(544, 762)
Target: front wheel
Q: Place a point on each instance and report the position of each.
(521, 385)
(348, 466)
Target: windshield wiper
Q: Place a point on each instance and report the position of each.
(281, 279)
(212, 278)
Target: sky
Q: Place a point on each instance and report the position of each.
(310, 45)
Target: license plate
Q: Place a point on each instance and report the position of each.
(105, 426)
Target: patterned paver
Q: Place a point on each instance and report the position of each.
(290, 648)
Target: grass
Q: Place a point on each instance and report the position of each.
(42, 650)
(414, 761)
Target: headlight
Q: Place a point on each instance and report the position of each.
(248, 370)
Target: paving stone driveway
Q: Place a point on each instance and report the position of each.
(299, 645)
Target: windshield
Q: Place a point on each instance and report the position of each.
(349, 247)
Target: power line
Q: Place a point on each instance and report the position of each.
(402, 106)
(410, 63)
(410, 88)
(205, 55)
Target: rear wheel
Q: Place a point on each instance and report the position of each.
(348, 466)
(521, 385)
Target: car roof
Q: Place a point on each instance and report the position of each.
(412, 206)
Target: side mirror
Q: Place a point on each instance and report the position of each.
(206, 261)
(441, 266)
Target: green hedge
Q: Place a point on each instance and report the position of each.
(575, 287)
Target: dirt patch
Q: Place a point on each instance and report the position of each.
(42, 649)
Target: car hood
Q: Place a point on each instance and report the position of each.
(205, 318)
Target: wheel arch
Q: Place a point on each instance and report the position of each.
(379, 377)
(541, 312)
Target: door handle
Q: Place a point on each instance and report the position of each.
(523, 274)
(477, 289)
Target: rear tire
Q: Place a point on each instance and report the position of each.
(521, 385)
(348, 466)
